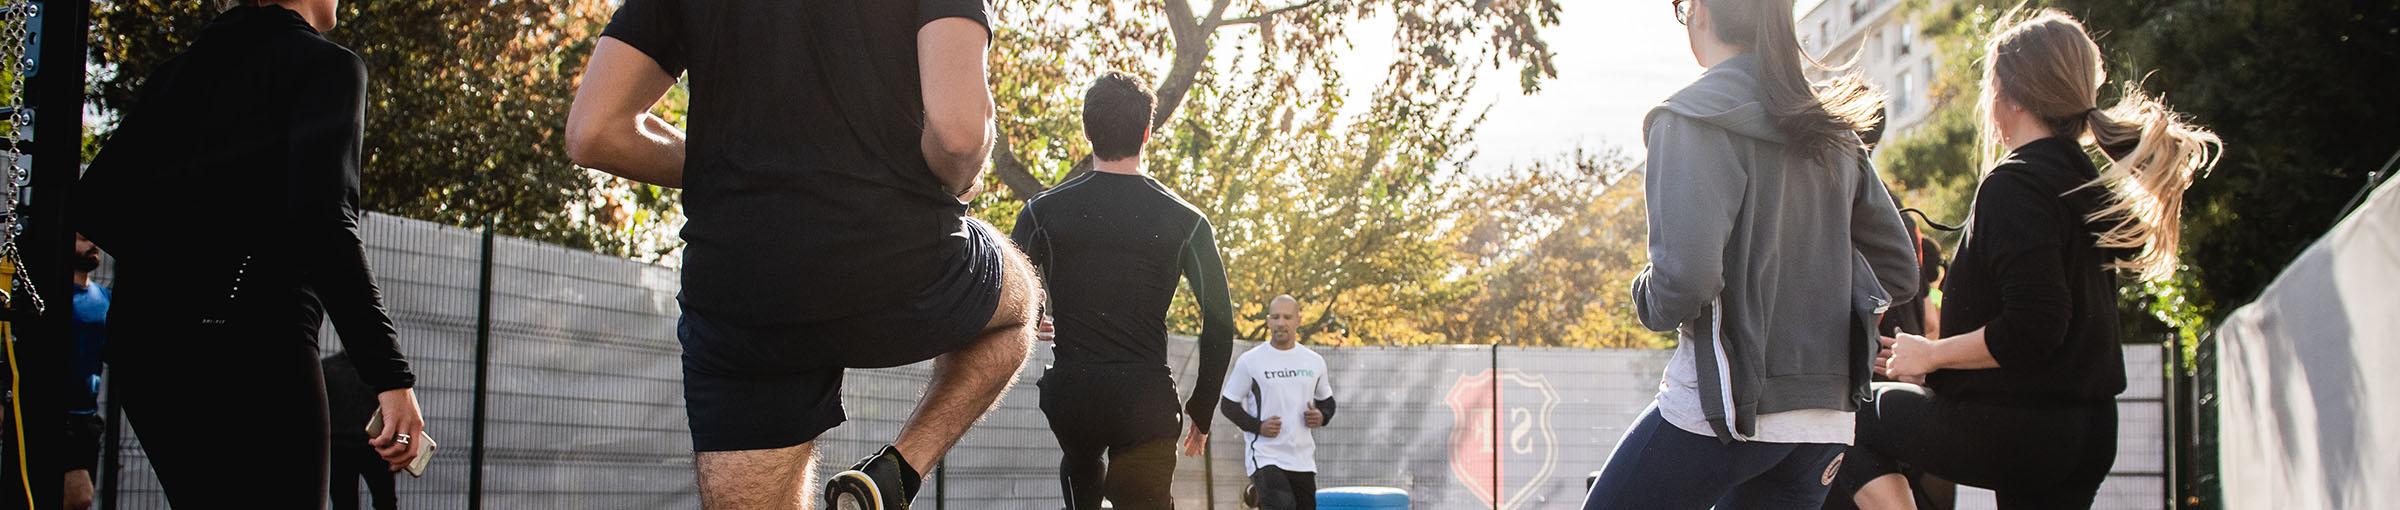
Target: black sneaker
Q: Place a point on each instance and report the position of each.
(882, 481)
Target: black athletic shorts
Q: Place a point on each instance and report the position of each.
(1111, 405)
(751, 388)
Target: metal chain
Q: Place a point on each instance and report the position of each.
(16, 19)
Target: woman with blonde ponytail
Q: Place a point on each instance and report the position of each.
(2024, 402)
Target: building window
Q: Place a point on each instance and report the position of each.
(1908, 38)
(1906, 93)
(1858, 9)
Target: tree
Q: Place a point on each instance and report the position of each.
(1344, 211)
(1045, 46)
(1934, 167)
(466, 111)
(1553, 249)
(2300, 92)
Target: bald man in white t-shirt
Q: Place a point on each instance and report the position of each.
(1278, 394)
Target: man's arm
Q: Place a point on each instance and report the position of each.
(1204, 270)
(1234, 392)
(1324, 399)
(609, 126)
(83, 440)
(1034, 242)
(1241, 419)
(951, 66)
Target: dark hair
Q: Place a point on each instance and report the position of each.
(1116, 115)
(1824, 119)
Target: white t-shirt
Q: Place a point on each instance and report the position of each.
(1270, 382)
(1679, 404)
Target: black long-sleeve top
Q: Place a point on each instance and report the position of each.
(249, 144)
(2029, 274)
(1248, 423)
(1110, 248)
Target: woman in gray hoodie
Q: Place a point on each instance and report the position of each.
(1773, 245)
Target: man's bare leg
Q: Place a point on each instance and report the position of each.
(774, 479)
(968, 383)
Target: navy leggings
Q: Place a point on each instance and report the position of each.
(1660, 466)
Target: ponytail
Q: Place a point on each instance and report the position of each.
(2154, 154)
(2045, 61)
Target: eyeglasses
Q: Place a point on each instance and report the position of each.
(1683, 12)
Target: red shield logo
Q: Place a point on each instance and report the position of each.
(1497, 422)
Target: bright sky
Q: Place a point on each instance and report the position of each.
(1616, 60)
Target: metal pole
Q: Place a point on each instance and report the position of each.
(483, 365)
(1495, 435)
(55, 91)
(2175, 422)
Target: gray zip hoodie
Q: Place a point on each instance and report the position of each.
(1769, 263)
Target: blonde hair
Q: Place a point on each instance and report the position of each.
(2047, 64)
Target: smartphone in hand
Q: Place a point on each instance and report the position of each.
(422, 442)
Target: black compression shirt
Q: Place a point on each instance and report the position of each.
(1110, 248)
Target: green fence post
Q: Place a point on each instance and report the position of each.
(483, 365)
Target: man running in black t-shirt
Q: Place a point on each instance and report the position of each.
(1110, 245)
(833, 147)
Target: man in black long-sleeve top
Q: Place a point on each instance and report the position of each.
(250, 139)
(1111, 245)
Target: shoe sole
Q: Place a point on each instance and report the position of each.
(851, 484)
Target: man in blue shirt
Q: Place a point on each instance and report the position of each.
(83, 399)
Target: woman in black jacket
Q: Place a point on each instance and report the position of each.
(2023, 400)
(249, 142)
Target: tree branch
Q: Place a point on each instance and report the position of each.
(1180, 20)
(1020, 181)
(1269, 13)
(1191, 52)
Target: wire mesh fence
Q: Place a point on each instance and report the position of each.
(583, 408)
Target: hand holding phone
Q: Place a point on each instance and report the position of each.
(420, 445)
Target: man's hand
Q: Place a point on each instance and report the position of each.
(403, 423)
(1315, 418)
(1195, 442)
(79, 489)
(1046, 331)
(1907, 358)
(1272, 427)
